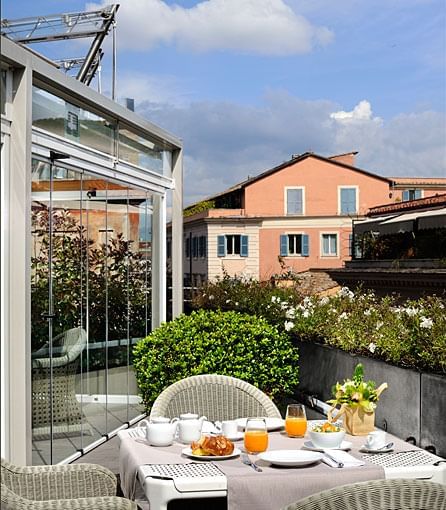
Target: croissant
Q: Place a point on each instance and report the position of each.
(212, 445)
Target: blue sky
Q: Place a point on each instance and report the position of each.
(248, 83)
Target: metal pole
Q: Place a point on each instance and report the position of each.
(114, 63)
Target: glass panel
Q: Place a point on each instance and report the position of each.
(58, 333)
(140, 151)
(91, 292)
(56, 115)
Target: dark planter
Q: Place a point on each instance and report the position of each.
(412, 407)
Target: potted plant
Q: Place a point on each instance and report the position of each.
(357, 400)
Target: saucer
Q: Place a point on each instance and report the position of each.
(365, 449)
(345, 445)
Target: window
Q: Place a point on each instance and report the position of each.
(294, 244)
(202, 246)
(187, 247)
(411, 194)
(348, 201)
(354, 246)
(294, 201)
(329, 245)
(232, 244)
(195, 247)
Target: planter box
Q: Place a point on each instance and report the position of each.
(412, 407)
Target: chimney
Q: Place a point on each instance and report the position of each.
(349, 158)
(129, 103)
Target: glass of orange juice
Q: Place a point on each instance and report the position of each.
(296, 420)
(256, 435)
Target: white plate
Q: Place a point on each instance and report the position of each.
(364, 449)
(290, 457)
(271, 423)
(345, 445)
(188, 453)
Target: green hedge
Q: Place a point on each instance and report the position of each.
(227, 343)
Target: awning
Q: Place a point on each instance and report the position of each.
(369, 225)
(405, 222)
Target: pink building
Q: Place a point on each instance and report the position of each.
(296, 215)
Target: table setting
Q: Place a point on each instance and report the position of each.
(271, 463)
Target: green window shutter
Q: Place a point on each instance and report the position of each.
(243, 246)
(305, 245)
(221, 246)
(283, 245)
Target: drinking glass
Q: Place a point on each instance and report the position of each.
(256, 435)
(296, 420)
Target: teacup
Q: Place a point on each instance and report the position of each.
(376, 440)
(159, 434)
(229, 428)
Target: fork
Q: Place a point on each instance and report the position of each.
(246, 460)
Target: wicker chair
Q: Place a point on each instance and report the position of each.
(64, 487)
(67, 416)
(398, 494)
(218, 397)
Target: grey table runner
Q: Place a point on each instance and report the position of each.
(247, 489)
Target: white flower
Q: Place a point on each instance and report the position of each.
(343, 315)
(411, 311)
(289, 325)
(425, 322)
(367, 312)
(372, 347)
(306, 313)
(228, 301)
(346, 292)
(291, 313)
(211, 297)
(324, 300)
(379, 325)
(284, 305)
(275, 299)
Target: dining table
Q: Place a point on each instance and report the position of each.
(274, 487)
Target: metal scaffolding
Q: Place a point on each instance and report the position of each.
(74, 25)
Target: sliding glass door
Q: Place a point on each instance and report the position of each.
(90, 301)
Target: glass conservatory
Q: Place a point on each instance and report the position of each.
(85, 185)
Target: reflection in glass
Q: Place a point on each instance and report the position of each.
(91, 302)
(57, 116)
(140, 151)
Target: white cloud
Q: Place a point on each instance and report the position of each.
(264, 27)
(361, 112)
(225, 142)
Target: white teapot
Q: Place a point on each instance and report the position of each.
(161, 433)
(189, 427)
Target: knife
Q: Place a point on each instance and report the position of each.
(246, 460)
(338, 464)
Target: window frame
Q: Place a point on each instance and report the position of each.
(285, 199)
(342, 187)
(304, 243)
(243, 243)
(329, 255)
(408, 190)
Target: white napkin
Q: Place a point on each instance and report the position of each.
(334, 458)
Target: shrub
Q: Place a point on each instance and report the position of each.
(227, 343)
